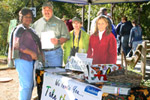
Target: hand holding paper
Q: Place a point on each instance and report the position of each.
(46, 39)
(54, 41)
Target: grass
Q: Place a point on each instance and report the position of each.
(146, 82)
(143, 82)
(3, 57)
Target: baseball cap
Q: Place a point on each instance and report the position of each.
(76, 19)
(47, 4)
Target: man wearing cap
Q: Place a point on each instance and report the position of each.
(79, 40)
(50, 24)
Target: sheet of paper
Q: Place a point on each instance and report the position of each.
(46, 39)
(81, 55)
(53, 70)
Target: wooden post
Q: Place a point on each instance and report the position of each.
(121, 58)
(83, 13)
(143, 59)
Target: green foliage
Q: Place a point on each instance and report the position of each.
(70, 10)
(7, 12)
(145, 83)
(93, 12)
(145, 20)
(138, 11)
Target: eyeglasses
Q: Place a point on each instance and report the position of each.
(27, 17)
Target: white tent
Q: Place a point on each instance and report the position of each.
(93, 2)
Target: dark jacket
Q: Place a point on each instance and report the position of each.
(118, 28)
(125, 28)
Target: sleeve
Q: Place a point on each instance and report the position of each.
(89, 52)
(112, 56)
(131, 36)
(118, 29)
(64, 31)
(121, 30)
(114, 31)
(64, 56)
(87, 42)
(19, 39)
(66, 50)
(10, 45)
(16, 38)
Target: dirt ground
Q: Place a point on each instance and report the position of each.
(10, 90)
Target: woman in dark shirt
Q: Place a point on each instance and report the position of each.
(26, 48)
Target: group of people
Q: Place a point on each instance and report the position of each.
(26, 43)
(130, 35)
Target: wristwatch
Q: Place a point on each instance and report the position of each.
(59, 42)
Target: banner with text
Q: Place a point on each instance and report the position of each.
(56, 87)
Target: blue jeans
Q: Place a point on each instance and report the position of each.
(53, 58)
(125, 44)
(25, 73)
(135, 44)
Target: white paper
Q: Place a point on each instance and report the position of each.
(81, 55)
(46, 39)
(115, 90)
(53, 70)
(76, 64)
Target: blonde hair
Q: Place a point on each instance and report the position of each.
(108, 28)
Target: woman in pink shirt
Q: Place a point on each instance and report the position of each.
(102, 44)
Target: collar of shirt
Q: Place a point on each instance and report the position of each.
(100, 34)
(51, 19)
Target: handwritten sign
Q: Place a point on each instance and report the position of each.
(57, 87)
